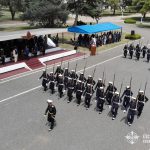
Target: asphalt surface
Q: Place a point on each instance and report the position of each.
(23, 102)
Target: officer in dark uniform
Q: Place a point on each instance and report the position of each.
(132, 110)
(138, 51)
(60, 84)
(115, 105)
(131, 49)
(74, 76)
(109, 92)
(52, 82)
(97, 87)
(144, 50)
(45, 80)
(125, 50)
(51, 111)
(148, 55)
(70, 89)
(141, 102)
(66, 76)
(88, 94)
(79, 91)
(100, 99)
(127, 94)
(82, 78)
(58, 71)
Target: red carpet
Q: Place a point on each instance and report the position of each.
(11, 73)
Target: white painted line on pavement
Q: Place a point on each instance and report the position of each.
(6, 99)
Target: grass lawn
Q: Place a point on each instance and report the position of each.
(6, 15)
(143, 25)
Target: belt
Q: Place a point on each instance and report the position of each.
(102, 98)
(45, 78)
(111, 92)
(141, 102)
(127, 96)
(79, 91)
(116, 103)
(132, 109)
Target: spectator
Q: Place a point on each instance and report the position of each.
(15, 54)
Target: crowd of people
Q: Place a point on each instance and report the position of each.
(70, 82)
(137, 51)
(23, 49)
(102, 39)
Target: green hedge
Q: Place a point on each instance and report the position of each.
(132, 37)
(130, 21)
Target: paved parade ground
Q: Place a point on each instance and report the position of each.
(23, 103)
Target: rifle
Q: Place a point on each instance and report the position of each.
(53, 67)
(84, 67)
(68, 65)
(76, 67)
(45, 66)
(61, 62)
(130, 86)
(120, 90)
(103, 80)
(145, 90)
(114, 81)
(137, 97)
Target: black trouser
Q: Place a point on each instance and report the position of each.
(87, 100)
(60, 92)
(109, 97)
(126, 102)
(114, 110)
(78, 97)
(131, 54)
(100, 104)
(69, 94)
(51, 87)
(44, 84)
(148, 57)
(144, 54)
(140, 108)
(125, 54)
(130, 116)
(51, 120)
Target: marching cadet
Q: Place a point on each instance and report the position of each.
(52, 82)
(132, 110)
(97, 87)
(115, 104)
(125, 50)
(51, 112)
(60, 85)
(127, 94)
(141, 99)
(90, 80)
(88, 94)
(131, 49)
(109, 92)
(82, 78)
(58, 71)
(138, 51)
(74, 76)
(66, 76)
(70, 89)
(148, 55)
(100, 99)
(79, 91)
(45, 80)
(144, 49)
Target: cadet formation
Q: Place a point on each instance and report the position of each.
(138, 51)
(69, 82)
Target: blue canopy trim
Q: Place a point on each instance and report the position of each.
(90, 29)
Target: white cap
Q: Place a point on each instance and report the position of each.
(141, 91)
(66, 68)
(110, 82)
(128, 87)
(49, 101)
(60, 75)
(51, 72)
(72, 70)
(58, 65)
(89, 76)
(88, 84)
(79, 81)
(117, 93)
(99, 79)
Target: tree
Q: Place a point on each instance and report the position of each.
(85, 7)
(46, 13)
(114, 5)
(142, 6)
(13, 5)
